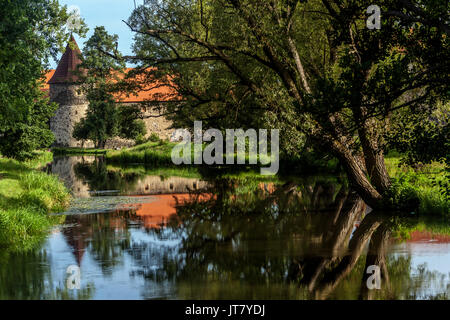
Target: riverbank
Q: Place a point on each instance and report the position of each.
(27, 196)
(77, 151)
(422, 182)
(150, 153)
(159, 154)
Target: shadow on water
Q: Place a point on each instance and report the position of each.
(190, 238)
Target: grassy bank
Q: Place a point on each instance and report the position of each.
(422, 183)
(150, 153)
(27, 195)
(154, 154)
(77, 151)
(403, 228)
(164, 172)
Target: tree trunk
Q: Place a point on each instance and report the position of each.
(101, 144)
(338, 235)
(358, 178)
(356, 246)
(376, 256)
(374, 160)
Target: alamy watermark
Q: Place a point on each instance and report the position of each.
(374, 20)
(74, 21)
(374, 280)
(235, 147)
(74, 279)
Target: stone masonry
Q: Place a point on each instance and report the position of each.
(72, 108)
(73, 105)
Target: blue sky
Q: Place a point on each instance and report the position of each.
(108, 13)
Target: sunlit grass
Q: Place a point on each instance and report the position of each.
(403, 228)
(154, 153)
(26, 197)
(423, 181)
(77, 151)
(160, 154)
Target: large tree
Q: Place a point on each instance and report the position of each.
(313, 68)
(31, 31)
(100, 78)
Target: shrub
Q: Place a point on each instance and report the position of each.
(154, 137)
(418, 192)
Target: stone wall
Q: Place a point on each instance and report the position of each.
(119, 143)
(158, 125)
(72, 108)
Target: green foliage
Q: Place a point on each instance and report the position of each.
(412, 186)
(402, 195)
(22, 138)
(105, 118)
(310, 68)
(31, 31)
(422, 137)
(100, 123)
(130, 125)
(154, 137)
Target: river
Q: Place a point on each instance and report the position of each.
(139, 233)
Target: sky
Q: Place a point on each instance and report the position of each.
(107, 13)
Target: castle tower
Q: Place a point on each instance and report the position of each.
(64, 90)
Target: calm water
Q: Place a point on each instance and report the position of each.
(137, 234)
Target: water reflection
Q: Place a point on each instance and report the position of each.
(87, 176)
(32, 276)
(223, 239)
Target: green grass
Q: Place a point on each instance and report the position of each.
(423, 183)
(151, 153)
(403, 228)
(155, 154)
(77, 151)
(27, 195)
(154, 158)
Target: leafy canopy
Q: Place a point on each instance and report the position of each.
(31, 31)
(311, 68)
(100, 76)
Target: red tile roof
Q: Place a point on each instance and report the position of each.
(65, 72)
(153, 92)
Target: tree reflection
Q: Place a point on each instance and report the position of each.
(239, 239)
(99, 178)
(301, 234)
(27, 275)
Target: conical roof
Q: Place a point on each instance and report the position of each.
(65, 72)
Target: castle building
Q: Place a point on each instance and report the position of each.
(63, 88)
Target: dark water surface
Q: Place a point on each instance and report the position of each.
(139, 235)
